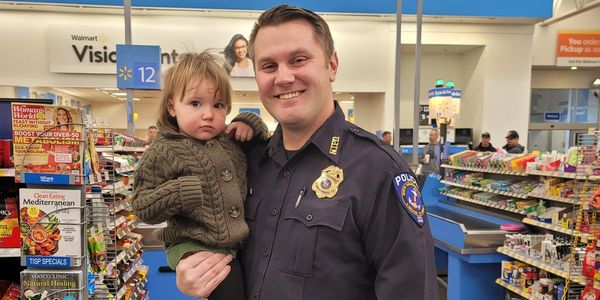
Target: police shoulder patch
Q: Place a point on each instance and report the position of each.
(409, 195)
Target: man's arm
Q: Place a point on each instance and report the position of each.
(399, 248)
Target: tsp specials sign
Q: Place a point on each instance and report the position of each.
(578, 48)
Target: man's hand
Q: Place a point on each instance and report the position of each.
(239, 131)
(199, 274)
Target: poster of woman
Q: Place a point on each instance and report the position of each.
(236, 54)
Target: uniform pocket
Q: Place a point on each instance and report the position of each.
(252, 203)
(317, 226)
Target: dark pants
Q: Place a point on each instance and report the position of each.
(232, 288)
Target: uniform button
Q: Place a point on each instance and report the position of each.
(274, 212)
(355, 130)
(286, 173)
(266, 253)
(309, 218)
(255, 294)
(226, 175)
(234, 212)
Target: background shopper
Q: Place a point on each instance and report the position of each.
(485, 144)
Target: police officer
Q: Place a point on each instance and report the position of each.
(333, 213)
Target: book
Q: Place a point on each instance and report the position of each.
(47, 139)
(50, 222)
(9, 223)
(55, 284)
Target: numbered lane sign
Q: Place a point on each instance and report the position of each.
(138, 67)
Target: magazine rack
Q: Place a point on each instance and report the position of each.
(53, 211)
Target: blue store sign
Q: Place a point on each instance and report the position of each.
(552, 116)
(138, 67)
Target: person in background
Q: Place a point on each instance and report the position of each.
(333, 213)
(194, 176)
(512, 143)
(236, 54)
(152, 133)
(386, 137)
(432, 154)
(485, 144)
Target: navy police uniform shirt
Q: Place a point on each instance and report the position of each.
(342, 218)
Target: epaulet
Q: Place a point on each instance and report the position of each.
(363, 134)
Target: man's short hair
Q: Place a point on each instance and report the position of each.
(385, 133)
(152, 127)
(513, 134)
(286, 13)
(485, 135)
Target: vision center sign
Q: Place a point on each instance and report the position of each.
(92, 49)
(578, 48)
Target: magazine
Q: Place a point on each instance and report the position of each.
(50, 222)
(55, 284)
(46, 140)
(9, 223)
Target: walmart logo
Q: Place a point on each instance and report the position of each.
(125, 73)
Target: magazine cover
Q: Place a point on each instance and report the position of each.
(9, 223)
(55, 284)
(45, 141)
(46, 231)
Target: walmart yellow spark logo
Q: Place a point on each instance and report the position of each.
(126, 73)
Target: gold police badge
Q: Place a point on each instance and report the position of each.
(326, 186)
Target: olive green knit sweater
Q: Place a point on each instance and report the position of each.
(198, 187)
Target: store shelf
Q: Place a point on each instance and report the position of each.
(516, 195)
(10, 252)
(7, 172)
(119, 206)
(131, 225)
(119, 149)
(484, 170)
(126, 169)
(515, 289)
(127, 254)
(556, 199)
(134, 268)
(556, 228)
(556, 174)
(485, 203)
(118, 187)
(541, 265)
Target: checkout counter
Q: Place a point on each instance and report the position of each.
(466, 239)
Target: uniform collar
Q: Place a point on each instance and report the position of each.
(323, 138)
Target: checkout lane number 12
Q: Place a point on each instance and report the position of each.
(150, 71)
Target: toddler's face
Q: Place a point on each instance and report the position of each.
(200, 112)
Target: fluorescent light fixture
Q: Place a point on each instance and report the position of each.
(573, 68)
(119, 94)
(347, 102)
(136, 99)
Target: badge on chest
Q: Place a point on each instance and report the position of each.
(326, 186)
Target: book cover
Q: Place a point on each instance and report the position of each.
(46, 140)
(55, 284)
(50, 222)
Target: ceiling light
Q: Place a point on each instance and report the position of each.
(136, 99)
(347, 102)
(119, 94)
(573, 68)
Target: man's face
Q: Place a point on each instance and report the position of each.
(387, 138)
(152, 133)
(293, 75)
(485, 140)
(433, 137)
(512, 141)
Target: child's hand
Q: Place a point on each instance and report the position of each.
(239, 131)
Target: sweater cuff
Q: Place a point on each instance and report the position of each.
(189, 192)
(253, 120)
